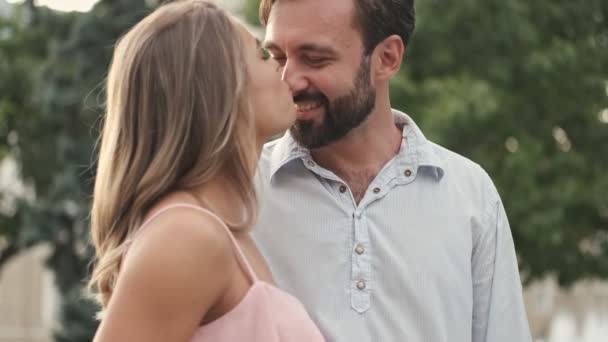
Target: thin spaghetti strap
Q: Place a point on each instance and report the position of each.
(239, 253)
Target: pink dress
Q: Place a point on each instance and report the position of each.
(265, 314)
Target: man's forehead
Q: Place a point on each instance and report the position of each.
(312, 9)
(297, 24)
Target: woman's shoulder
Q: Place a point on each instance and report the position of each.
(182, 243)
(175, 270)
(177, 227)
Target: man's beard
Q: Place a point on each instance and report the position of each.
(341, 116)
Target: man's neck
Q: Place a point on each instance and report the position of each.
(358, 157)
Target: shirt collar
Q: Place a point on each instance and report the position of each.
(415, 146)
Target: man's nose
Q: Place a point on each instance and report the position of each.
(295, 79)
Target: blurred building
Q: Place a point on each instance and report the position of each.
(576, 314)
(28, 300)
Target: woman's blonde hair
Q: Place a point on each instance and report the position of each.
(177, 115)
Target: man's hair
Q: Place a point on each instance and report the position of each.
(376, 19)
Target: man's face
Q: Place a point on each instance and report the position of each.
(321, 56)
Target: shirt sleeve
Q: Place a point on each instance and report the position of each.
(499, 313)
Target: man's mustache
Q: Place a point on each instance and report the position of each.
(310, 96)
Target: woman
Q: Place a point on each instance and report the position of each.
(191, 98)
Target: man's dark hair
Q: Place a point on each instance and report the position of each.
(376, 19)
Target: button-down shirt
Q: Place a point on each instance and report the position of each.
(426, 256)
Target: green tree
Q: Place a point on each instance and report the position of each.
(52, 67)
(25, 40)
(521, 87)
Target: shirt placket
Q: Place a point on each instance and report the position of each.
(361, 280)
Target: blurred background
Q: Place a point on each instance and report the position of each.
(519, 86)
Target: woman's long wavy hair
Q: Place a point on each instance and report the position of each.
(177, 115)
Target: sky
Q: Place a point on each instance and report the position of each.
(64, 5)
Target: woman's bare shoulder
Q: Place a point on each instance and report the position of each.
(175, 271)
(182, 234)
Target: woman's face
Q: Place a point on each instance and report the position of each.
(271, 98)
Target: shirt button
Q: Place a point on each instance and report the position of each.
(360, 249)
(361, 285)
(376, 190)
(408, 173)
(343, 188)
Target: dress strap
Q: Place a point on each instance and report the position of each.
(239, 253)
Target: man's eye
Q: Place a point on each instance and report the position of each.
(280, 59)
(314, 60)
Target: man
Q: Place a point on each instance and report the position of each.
(382, 234)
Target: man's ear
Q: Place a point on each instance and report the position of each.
(387, 57)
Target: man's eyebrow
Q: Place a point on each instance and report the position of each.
(308, 47)
(316, 48)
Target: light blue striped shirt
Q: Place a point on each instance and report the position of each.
(426, 256)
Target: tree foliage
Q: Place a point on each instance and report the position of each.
(52, 68)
